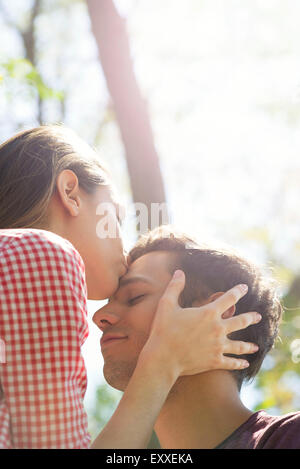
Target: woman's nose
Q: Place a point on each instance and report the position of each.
(103, 318)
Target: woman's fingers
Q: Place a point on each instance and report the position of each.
(173, 290)
(200, 331)
(237, 347)
(228, 299)
(229, 363)
(241, 321)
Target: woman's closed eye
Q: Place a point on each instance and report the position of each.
(135, 299)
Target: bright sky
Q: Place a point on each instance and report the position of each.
(222, 81)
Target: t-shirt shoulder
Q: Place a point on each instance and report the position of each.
(282, 432)
(264, 431)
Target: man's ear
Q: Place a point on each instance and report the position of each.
(67, 186)
(227, 314)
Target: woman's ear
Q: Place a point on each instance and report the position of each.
(67, 186)
(227, 314)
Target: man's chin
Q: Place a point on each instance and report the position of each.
(118, 376)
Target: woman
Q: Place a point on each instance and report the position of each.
(52, 258)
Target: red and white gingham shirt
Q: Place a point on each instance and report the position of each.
(43, 310)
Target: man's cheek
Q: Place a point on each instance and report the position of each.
(143, 320)
(151, 314)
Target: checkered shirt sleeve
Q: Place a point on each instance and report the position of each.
(43, 311)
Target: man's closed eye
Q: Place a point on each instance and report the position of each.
(135, 299)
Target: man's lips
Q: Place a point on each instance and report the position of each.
(110, 338)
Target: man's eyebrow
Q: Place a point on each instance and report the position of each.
(126, 281)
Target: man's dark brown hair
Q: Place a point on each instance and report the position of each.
(210, 270)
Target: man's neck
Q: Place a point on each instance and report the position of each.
(201, 411)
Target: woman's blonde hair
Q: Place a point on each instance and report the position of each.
(29, 165)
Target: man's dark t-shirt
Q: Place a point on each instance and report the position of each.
(263, 431)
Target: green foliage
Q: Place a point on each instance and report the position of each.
(104, 405)
(23, 71)
(288, 110)
(279, 381)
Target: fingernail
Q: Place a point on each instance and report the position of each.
(244, 364)
(178, 274)
(255, 348)
(244, 287)
(258, 317)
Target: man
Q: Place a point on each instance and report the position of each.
(203, 410)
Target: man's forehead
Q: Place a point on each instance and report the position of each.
(160, 260)
(149, 267)
(130, 279)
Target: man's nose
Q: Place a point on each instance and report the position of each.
(103, 318)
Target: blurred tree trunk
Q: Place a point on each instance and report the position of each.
(28, 36)
(130, 108)
(29, 42)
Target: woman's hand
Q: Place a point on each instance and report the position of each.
(187, 341)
